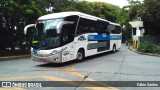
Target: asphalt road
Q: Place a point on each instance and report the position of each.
(124, 65)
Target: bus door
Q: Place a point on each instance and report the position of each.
(67, 41)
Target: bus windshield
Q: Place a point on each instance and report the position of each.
(47, 34)
(54, 33)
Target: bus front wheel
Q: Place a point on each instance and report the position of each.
(80, 55)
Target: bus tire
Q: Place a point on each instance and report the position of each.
(114, 48)
(80, 55)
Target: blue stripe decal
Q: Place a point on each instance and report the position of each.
(103, 37)
(115, 37)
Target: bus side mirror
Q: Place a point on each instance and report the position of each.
(26, 28)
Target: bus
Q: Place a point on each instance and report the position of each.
(66, 36)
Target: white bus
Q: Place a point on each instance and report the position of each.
(66, 36)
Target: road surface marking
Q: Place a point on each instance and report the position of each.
(52, 78)
(12, 88)
(81, 85)
(18, 78)
(73, 71)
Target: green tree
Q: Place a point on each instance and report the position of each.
(150, 14)
(99, 9)
(18, 13)
(123, 19)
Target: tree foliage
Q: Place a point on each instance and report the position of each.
(150, 14)
(99, 9)
(14, 15)
(18, 13)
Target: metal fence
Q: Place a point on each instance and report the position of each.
(150, 39)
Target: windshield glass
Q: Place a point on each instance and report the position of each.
(47, 34)
(53, 33)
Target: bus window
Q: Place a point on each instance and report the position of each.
(101, 27)
(73, 18)
(67, 33)
(83, 26)
(51, 33)
(114, 29)
(118, 30)
(92, 26)
(86, 26)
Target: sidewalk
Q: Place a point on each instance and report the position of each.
(135, 50)
(14, 57)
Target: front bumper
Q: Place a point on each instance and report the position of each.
(56, 58)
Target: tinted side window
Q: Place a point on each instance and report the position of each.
(67, 34)
(74, 19)
(90, 26)
(118, 30)
(101, 27)
(86, 26)
(83, 26)
(114, 29)
(68, 30)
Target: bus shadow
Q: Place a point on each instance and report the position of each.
(74, 61)
(97, 56)
(57, 64)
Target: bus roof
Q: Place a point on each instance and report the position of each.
(65, 14)
(115, 24)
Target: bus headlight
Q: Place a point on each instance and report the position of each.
(55, 52)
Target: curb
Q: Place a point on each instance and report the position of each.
(149, 54)
(14, 57)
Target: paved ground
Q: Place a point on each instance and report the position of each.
(124, 65)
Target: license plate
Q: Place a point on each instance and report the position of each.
(42, 60)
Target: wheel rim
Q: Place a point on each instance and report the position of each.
(79, 56)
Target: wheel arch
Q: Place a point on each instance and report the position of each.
(81, 48)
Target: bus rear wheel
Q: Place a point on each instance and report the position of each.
(80, 55)
(114, 48)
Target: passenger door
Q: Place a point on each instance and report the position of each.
(67, 41)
